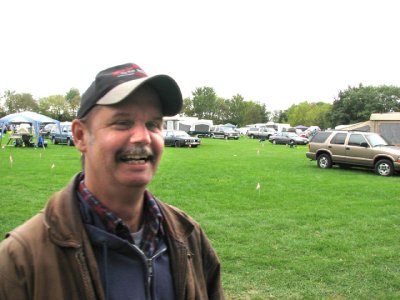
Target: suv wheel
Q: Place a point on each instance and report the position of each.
(69, 142)
(177, 144)
(53, 140)
(324, 161)
(384, 167)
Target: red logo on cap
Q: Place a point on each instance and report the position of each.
(133, 70)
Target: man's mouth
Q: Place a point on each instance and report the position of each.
(134, 159)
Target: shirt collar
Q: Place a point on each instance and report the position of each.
(153, 219)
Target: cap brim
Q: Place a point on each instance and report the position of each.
(166, 87)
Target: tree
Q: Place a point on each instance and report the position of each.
(15, 103)
(2, 108)
(73, 99)
(2, 112)
(254, 113)
(207, 105)
(187, 107)
(236, 110)
(280, 116)
(221, 111)
(356, 104)
(309, 114)
(55, 107)
(204, 103)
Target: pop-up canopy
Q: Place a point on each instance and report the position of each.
(27, 117)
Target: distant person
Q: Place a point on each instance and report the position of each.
(105, 236)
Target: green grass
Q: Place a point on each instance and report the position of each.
(306, 234)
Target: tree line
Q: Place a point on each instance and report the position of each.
(355, 104)
(58, 107)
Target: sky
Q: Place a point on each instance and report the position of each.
(280, 52)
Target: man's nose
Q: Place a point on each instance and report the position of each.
(140, 134)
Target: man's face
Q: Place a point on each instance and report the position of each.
(123, 143)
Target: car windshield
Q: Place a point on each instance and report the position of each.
(376, 140)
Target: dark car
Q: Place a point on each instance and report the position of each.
(287, 138)
(354, 148)
(178, 138)
(224, 132)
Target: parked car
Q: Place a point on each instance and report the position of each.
(62, 134)
(242, 130)
(354, 148)
(47, 129)
(260, 133)
(223, 132)
(288, 138)
(178, 138)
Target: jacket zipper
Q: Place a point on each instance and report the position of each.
(150, 267)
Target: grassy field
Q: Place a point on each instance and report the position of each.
(306, 233)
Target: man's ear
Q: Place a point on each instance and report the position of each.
(80, 132)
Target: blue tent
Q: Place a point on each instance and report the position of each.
(27, 117)
(302, 127)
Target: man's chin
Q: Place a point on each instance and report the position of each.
(137, 182)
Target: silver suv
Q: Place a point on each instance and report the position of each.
(354, 148)
(224, 132)
(62, 134)
(260, 133)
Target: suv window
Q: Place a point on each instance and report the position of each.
(321, 136)
(376, 140)
(356, 140)
(339, 138)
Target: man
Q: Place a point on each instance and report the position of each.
(105, 236)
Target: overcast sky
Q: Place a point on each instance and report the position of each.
(280, 52)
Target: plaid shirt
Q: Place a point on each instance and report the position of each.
(153, 230)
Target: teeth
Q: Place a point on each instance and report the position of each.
(136, 156)
(136, 162)
(134, 159)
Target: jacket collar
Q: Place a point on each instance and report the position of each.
(62, 216)
(63, 219)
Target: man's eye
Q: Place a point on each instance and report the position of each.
(122, 124)
(153, 125)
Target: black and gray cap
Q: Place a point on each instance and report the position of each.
(114, 84)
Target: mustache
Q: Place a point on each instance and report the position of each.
(142, 151)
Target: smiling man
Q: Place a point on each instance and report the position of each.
(105, 236)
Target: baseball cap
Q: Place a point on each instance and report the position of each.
(114, 84)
